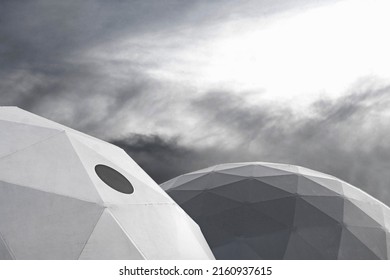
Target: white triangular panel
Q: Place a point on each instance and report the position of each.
(13, 136)
(109, 242)
(36, 224)
(52, 166)
(171, 238)
(14, 114)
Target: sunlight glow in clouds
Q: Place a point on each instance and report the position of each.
(321, 51)
(289, 59)
(292, 56)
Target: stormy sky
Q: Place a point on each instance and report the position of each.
(183, 85)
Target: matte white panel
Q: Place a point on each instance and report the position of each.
(17, 136)
(40, 225)
(109, 241)
(15, 114)
(52, 166)
(173, 234)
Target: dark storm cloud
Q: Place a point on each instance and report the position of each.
(161, 158)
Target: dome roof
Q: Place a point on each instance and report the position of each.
(259, 210)
(67, 195)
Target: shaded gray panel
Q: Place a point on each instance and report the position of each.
(264, 169)
(332, 206)
(182, 196)
(253, 170)
(193, 207)
(281, 166)
(281, 210)
(306, 215)
(214, 234)
(186, 178)
(235, 250)
(288, 183)
(250, 190)
(270, 246)
(243, 171)
(331, 184)
(311, 188)
(218, 179)
(372, 238)
(299, 249)
(39, 225)
(197, 184)
(351, 248)
(213, 204)
(354, 216)
(325, 239)
(245, 222)
(372, 208)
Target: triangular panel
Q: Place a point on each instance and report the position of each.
(331, 184)
(271, 246)
(373, 238)
(15, 114)
(351, 248)
(299, 249)
(325, 239)
(311, 188)
(51, 166)
(109, 242)
(332, 206)
(40, 225)
(234, 250)
(172, 236)
(354, 216)
(17, 136)
(287, 183)
(4, 251)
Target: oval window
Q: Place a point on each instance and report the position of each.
(114, 179)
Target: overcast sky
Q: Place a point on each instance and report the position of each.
(183, 85)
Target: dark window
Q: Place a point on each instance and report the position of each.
(114, 179)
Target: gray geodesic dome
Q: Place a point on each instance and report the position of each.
(277, 211)
(67, 195)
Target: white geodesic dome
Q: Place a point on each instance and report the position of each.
(66, 195)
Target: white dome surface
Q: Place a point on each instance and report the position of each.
(67, 195)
